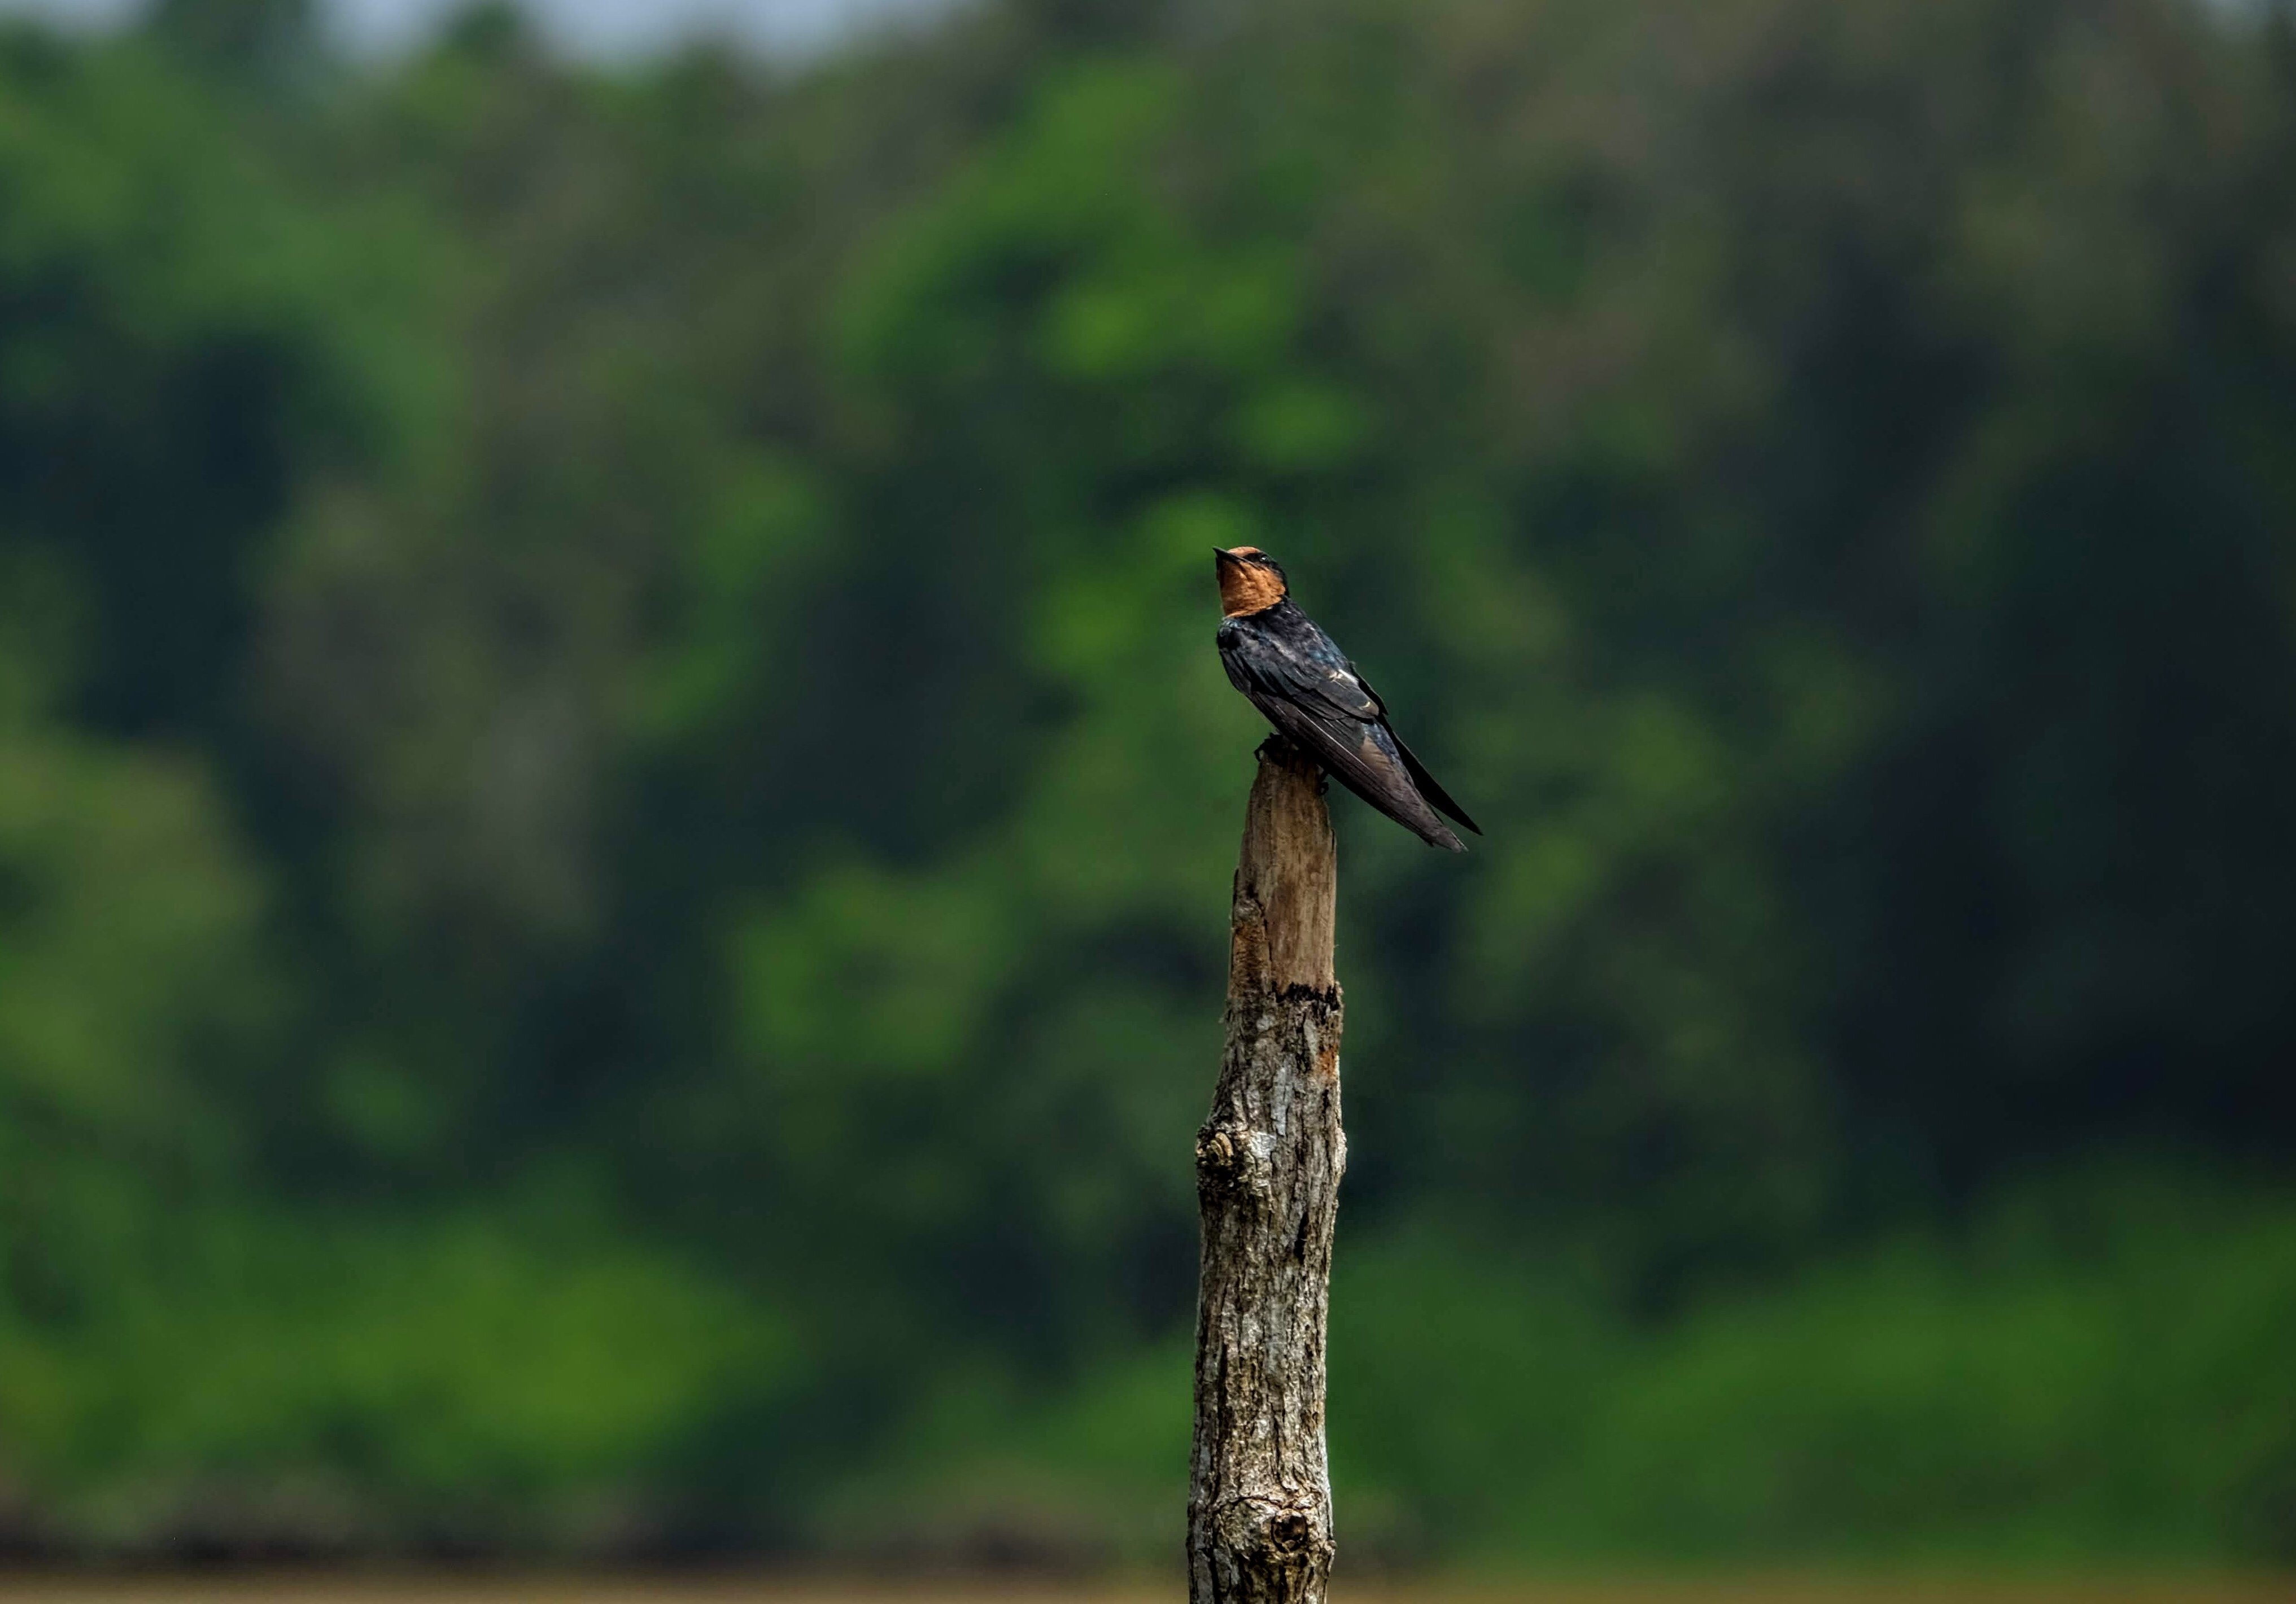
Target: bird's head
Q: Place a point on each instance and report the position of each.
(1251, 581)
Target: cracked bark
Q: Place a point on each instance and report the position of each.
(1268, 1162)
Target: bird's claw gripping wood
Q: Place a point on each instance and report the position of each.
(1269, 1163)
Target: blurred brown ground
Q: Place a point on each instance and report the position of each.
(1750, 1590)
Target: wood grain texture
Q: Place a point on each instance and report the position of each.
(1268, 1162)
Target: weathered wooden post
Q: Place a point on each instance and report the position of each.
(1268, 1162)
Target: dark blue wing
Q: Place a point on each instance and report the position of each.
(1306, 688)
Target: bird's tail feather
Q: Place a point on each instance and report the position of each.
(1430, 788)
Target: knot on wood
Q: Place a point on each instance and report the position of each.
(1290, 1533)
(1232, 1158)
(1268, 1542)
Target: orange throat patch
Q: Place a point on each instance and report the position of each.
(1246, 589)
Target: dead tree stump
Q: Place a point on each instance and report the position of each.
(1268, 1162)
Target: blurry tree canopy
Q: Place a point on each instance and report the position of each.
(611, 764)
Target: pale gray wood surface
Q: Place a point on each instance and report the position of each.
(1268, 1162)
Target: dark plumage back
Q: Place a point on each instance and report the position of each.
(1304, 685)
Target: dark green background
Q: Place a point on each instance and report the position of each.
(616, 804)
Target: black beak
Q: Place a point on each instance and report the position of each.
(1221, 554)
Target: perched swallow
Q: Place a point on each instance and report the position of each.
(1293, 672)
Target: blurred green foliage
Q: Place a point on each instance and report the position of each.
(615, 805)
